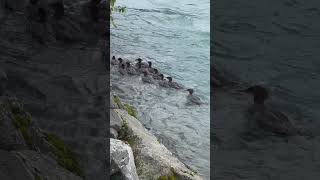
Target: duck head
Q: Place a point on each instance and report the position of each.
(113, 57)
(156, 71)
(139, 60)
(259, 93)
(190, 91)
(170, 79)
(128, 64)
(120, 60)
(161, 76)
(150, 64)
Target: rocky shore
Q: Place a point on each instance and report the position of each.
(52, 61)
(152, 160)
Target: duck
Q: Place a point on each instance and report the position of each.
(122, 69)
(141, 69)
(131, 70)
(163, 82)
(156, 75)
(147, 78)
(193, 99)
(114, 61)
(141, 64)
(174, 85)
(150, 68)
(268, 119)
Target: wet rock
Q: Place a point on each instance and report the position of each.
(121, 157)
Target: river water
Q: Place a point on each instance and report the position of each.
(277, 43)
(175, 36)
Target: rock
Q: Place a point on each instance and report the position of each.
(3, 81)
(11, 137)
(44, 167)
(12, 168)
(121, 159)
(54, 62)
(113, 133)
(153, 160)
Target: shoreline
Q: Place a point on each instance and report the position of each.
(152, 159)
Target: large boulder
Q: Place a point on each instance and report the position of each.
(122, 160)
(153, 160)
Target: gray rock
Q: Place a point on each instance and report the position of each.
(152, 158)
(121, 158)
(113, 133)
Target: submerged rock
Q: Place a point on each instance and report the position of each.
(121, 159)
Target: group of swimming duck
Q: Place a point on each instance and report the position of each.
(151, 75)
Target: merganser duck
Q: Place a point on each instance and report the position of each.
(265, 118)
(156, 75)
(174, 85)
(131, 70)
(163, 82)
(141, 69)
(192, 99)
(150, 68)
(114, 61)
(146, 78)
(142, 64)
(122, 69)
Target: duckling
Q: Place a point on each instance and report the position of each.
(156, 75)
(174, 85)
(141, 69)
(150, 68)
(122, 69)
(146, 78)
(131, 70)
(114, 61)
(163, 82)
(192, 99)
(140, 63)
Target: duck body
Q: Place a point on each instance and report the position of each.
(114, 62)
(147, 79)
(132, 71)
(270, 120)
(175, 85)
(164, 83)
(193, 100)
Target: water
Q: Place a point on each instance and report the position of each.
(175, 36)
(275, 42)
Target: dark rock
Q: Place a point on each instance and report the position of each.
(12, 168)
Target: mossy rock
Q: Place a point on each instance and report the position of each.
(130, 109)
(116, 100)
(170, 176)
(22, 121)
(65, 157)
